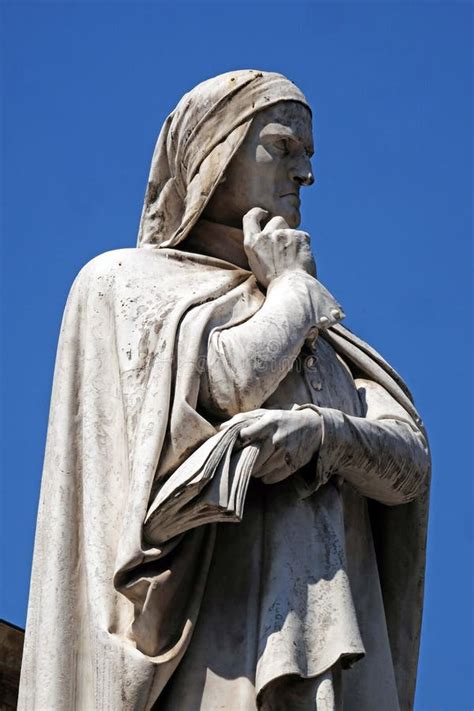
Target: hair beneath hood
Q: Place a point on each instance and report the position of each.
(196, 144)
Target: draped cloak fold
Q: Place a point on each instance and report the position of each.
(110, 615)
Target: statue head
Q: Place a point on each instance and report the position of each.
(237, 141)
(269, 168)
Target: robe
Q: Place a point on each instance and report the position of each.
(111, 615)
(303, 590)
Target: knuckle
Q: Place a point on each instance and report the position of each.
(303, 236)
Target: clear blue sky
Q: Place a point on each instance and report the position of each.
(85, 89)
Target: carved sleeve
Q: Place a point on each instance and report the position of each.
(246, 363)
(384, 454)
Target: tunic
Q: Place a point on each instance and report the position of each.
(296, 581)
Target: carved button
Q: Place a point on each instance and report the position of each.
(316, 384)
(336, 313)
(311, 361)
(323, 321)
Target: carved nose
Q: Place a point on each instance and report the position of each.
(302, 174)
(308, 179)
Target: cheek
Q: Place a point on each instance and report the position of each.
(262, 155)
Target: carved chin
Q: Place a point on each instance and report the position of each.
(293, 218)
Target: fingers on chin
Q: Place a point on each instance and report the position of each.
(276, 223)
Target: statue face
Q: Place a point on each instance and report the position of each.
(268, 169)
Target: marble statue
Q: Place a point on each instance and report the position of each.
(233, 507)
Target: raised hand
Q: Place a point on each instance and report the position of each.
(276, 249)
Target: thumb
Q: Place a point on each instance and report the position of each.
(251, 221)
(254, 431)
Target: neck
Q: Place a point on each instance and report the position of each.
(216, 240)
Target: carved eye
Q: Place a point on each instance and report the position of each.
(282, 146)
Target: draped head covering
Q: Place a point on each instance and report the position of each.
(196, 144)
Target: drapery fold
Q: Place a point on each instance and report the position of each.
(110, 616)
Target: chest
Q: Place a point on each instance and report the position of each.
(319, 377)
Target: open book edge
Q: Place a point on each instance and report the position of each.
(209, 487)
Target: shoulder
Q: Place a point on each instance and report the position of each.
(117, 262)
(142, 276)
(345, 335)
(118, 268)
(145, 262)
(367, 361)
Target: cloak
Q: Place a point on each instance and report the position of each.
(110, 614)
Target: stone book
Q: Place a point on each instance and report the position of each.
(209, 487)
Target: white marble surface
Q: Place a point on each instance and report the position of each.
(218, 313)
